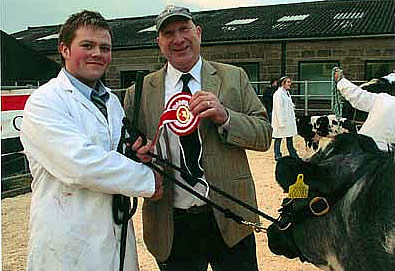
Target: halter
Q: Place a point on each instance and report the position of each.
(317, 204)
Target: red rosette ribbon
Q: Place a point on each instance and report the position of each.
(177, 116)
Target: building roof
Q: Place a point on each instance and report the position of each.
(24, 65)
(309, 20)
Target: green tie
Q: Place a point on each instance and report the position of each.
(99, 102)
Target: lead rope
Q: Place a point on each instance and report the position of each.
(121, 203)
(121, 206)
(228, 213)
(165, 163)
(336, 97)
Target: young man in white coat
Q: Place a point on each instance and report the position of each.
(380, 123)
(70, 132)
(283, 118)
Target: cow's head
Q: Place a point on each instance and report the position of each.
(329, 174)
(305, 130)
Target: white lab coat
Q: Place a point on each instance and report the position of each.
(380, 124)
(72, 154)
(283, 115)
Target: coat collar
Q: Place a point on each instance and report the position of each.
(67, 86)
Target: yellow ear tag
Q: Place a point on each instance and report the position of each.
(299, 190)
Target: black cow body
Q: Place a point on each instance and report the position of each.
(315, 127)
(358, 231)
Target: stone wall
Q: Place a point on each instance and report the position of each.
(351, 54)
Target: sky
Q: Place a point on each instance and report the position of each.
(17, 15)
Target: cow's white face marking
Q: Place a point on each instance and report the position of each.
(349, 198)
(333, 264)
(389, 243)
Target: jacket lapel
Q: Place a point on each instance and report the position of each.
(211, 83)
(156, 92)
(210, 80)
(155, 97)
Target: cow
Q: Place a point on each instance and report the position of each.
(347, 220)
(313, 128)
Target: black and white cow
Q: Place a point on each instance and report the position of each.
(313, 128)
(347, 222)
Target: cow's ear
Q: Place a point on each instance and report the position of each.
(287, 169)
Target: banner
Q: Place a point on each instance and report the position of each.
(12, 105)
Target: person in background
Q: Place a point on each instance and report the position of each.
(267, 98)
(380, 123)
(181, 231)
(283, 118)
(70, 132)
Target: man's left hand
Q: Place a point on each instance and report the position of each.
(206, 105)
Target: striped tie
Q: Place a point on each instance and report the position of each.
(191, 147)
(99, 102)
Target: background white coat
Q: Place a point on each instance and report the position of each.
(283, 115)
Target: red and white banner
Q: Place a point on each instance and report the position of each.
(12, 105)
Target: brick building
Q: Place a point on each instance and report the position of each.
(302, 40)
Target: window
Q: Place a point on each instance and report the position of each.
(252, 70)
(316, 71)
(242, 21)
(378, 68)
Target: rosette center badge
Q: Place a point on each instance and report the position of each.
(185, 122)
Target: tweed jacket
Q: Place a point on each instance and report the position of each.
(224, 157)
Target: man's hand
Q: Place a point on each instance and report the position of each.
(338, 74)
(158, 187)
(142, 150)
(206, 105)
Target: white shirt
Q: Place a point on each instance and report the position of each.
(173, 85)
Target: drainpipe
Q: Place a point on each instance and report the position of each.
(283, 58)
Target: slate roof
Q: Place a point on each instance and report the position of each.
(309, 20)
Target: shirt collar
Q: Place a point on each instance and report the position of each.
(86, 90)
(175, 75)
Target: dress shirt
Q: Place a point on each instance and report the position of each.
(87, 90)
(173, 85)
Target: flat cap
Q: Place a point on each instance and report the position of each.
(172, 11)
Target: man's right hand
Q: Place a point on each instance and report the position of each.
(338, 74)
(143, 150)
(158, 187)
